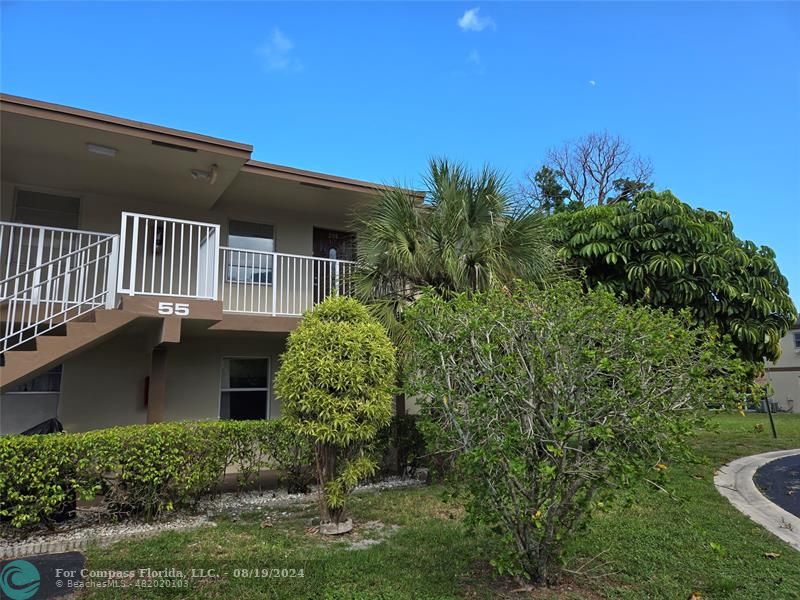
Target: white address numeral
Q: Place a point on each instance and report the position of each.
(179, 309)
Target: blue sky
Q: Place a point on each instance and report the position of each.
(709, 91)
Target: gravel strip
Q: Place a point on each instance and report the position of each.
(234, 503)
(84, 530)
(82, 537)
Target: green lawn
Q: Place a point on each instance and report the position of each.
(659, 546)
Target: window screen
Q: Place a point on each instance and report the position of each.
(244, 392)
(45, 383)
(252, 266)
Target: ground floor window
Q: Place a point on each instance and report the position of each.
(244, 393)
(49, 382)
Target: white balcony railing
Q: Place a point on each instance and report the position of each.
(168, 257)
(50, 276)
(272, 283)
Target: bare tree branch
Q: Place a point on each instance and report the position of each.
(595, 167)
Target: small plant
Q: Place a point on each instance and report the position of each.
(336, 381)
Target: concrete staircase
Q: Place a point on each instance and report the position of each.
(55, 346)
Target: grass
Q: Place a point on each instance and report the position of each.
(663, 544)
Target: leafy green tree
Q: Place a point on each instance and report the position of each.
(553, 400)
(468, 235)
(660, 251)
(545, 192)
(627, 189)
(335, 382)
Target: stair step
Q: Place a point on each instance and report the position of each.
(38, 354)
(85, 318)
(26, 346)
(57, 331)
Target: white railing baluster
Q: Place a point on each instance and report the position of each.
(57, 278)
(123, 239)
(153, 259)
(144, 252)
(272, 283)
(163, 254)
(172, 261)
(134, 253)
(275, 261)
(180, 264)
(111, 278)
(189, 265)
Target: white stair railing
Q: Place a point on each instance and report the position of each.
(168, 257)
(49, 276)
(272, 283)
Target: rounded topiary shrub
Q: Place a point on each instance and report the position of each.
(335, 382)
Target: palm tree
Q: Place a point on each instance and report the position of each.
(468, 235)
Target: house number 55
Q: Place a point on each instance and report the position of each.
(173, 308)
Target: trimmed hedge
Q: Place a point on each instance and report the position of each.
(145, 470)
(141, 469)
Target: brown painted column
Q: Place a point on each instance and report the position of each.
(157, 393)
(400, 405)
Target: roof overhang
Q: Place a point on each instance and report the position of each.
(46, 145)
(49, 146)
(111, 124)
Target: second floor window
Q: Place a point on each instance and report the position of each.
(247, 261)
(37, 208)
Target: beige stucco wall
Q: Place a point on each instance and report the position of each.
(784, 374)
(104, 386)
(194, 368)
(21, 411)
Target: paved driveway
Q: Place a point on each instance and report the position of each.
(779, 481)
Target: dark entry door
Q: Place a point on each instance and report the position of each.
(337, 245)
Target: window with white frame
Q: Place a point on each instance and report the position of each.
(246, 261)
(244, 390)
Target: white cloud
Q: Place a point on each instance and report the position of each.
(592, 82)
(277, 53)
(472, 21)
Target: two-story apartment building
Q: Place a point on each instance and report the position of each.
(784, 374)
(151, 274)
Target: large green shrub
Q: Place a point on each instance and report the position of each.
(550, 400)
(336, 381)
(402, 443)
(141, 469)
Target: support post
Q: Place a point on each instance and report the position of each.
(771, 420)
(157, 391)
(111, 279)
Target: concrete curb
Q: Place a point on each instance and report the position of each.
(735, 482)
(59, 546)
